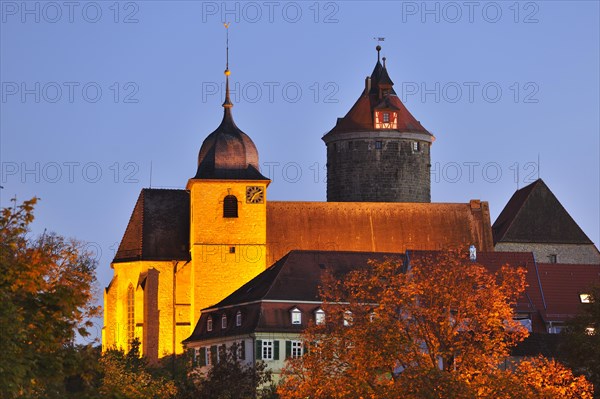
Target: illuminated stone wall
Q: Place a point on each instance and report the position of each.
(162, 307)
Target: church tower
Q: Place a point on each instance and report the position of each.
(227, 213)
(378, 152)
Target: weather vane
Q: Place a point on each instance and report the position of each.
(379, 39)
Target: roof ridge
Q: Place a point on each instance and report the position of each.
(283, 262)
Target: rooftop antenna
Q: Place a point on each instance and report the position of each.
(150, 174)
(538, 166)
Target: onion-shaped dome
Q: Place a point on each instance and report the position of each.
(228, 153)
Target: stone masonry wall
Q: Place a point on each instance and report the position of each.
(565, 253)
(360, 171)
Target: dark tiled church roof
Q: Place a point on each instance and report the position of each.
(534, 215)
(158, 228)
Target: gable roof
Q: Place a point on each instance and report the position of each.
(158, 228)
(534, 215)
(375, 227)
(293, 281)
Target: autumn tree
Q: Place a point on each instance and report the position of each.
(46, 292)
(230, 378)
(422, 331)
(128, 376)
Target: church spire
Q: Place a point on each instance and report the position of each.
(227, 104)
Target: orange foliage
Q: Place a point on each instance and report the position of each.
(436, 330)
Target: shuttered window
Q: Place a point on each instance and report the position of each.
(230, 207)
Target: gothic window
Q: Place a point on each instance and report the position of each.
(130, 314)
(230, 207)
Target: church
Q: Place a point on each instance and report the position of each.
(184, 251)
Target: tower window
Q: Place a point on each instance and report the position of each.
(386, 117)
(230, 207)
(553, 258)
(231, 250)
(416, 146)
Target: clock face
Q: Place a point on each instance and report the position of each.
(255, 194)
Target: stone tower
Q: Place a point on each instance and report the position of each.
(378, 152)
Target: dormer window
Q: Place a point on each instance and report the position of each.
(348, 318)
(319, 316)
(386, 120)
(224, 321)
(209, 324)
(296, 315)
(238, 318)
(230, 207)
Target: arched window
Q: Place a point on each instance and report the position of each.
(130, 314)
(230, 207)
(224, 321)
(238, 318)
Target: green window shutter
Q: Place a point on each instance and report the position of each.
(202, 360)
(243, 350)
(288, 349)
(276, 350)
(191, 355)
(258, 349)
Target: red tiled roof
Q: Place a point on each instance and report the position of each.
(562, 285)
(381, 227)
(360, 116)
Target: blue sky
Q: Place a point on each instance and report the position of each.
(96, 95)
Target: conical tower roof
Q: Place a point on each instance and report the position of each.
(378, 93)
